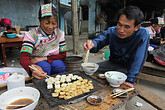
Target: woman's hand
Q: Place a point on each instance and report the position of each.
(88, 45)
(38, 59)
(128, 84)
(162, 42)
(40, 74)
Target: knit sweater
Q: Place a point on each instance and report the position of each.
(129, 52)
(37, 44)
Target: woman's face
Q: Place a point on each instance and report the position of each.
(6, 25)
(48, 25)
(156, 26)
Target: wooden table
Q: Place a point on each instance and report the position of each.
(104, 93)
(9, 42)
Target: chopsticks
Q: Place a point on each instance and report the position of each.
(122, 92)
(34, 68)
(66, 108)
(87, 55)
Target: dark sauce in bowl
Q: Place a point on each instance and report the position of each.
(95, 100)
(24, 101)
(90, 66)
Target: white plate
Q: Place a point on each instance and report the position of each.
(119, 90)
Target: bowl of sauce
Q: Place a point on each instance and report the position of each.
(21, 98)
(101, 76)
(94, 100)
(90, 68)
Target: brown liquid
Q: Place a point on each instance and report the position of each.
(90, 66)
(24, 102)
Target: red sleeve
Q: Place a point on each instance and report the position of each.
(60, 56)
(25, 61)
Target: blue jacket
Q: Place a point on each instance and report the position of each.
(129, 52)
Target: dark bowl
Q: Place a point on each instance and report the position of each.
(94, 100)
(7, 33)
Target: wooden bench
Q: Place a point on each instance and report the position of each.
(150, 97)
(152, 72)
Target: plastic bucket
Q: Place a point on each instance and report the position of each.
(107, 54)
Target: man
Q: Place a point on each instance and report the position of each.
(128, 43)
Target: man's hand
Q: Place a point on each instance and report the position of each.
(128, 84)
(40, 74)
(88, 45)
(38, 59)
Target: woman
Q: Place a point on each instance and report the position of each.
(44, 47)
(6, 23)
(156, 24)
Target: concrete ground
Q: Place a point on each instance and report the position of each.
(13, 56)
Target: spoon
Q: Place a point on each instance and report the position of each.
(13, 105)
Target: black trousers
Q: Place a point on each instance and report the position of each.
(110, 66)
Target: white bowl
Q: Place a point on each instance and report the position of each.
(90, 68)
(19, 35)
(22, 32)
(18, 93)
(115, 78)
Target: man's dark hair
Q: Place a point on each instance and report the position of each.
(132, 12)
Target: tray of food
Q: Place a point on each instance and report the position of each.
(65, 87)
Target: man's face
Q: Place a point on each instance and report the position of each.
(48, 25)
(126, 27)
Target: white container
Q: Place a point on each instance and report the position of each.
(15, 80)
(90, 68)
(115, 78)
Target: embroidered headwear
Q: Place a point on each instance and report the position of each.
(47, 10)
(157, 20)
(160, 20)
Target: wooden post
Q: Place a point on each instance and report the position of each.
(59, 14)
(75, 31)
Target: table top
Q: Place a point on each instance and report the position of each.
(104, 93)
(10, 40)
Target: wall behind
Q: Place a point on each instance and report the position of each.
(20, 12)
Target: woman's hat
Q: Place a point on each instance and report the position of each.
(48, 10)
(160, 20)
(6, 21)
